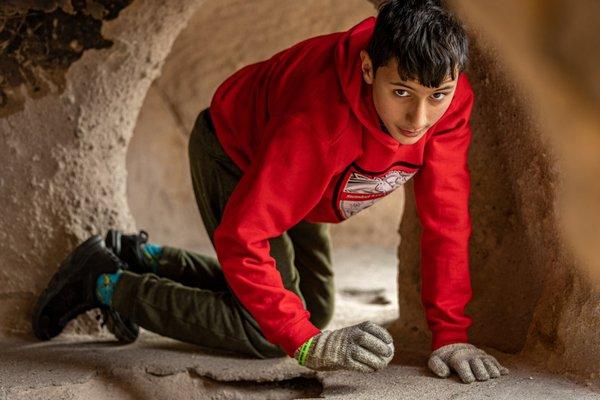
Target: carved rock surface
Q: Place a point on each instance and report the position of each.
(63, 152)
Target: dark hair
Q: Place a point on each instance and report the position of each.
(426, 39)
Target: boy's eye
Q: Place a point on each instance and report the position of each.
(440, 97)
(401, 93)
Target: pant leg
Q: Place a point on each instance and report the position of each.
(191, 269)
(204, 272)
(199, 316)
(209, 318)
(312, 248)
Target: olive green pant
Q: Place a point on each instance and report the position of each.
(188, 297)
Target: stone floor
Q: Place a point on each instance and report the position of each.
(84, 367)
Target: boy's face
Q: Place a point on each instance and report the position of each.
(406, 108)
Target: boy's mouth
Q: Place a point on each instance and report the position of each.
(410, 133)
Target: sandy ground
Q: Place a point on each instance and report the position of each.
(84, 367)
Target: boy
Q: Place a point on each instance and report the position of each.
(311, 136)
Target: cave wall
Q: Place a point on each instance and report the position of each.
(64, 145)
(39, 40)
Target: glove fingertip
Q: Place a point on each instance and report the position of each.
(392, 350)
(438, 367)
(503, 370)
(463, 369)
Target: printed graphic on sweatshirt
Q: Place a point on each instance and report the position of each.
(360, 189)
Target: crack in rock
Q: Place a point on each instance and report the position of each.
(288, 388)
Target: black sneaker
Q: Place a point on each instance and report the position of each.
(124, 330)
(72, 290)
(129, 249)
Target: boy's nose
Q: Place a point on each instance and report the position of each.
(417, 118)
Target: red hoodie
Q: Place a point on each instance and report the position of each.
(304, 129)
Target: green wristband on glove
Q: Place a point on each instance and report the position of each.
(302, 351)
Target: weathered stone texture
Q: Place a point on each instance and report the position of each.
(63, 154)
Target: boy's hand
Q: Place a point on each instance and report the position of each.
(468, 361)
(364, 347)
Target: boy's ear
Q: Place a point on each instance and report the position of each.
(367, 67)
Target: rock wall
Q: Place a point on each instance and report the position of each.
(70, 99)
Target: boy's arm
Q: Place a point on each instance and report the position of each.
(286, 179)
(442, 189)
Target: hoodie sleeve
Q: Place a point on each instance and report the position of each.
(286, 179)
(442, 189)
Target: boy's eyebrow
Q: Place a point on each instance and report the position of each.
(410, 87)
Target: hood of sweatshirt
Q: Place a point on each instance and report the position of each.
(357, 92)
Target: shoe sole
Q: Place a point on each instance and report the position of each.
(71, 266)
(124, 330)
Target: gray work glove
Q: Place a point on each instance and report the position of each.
(364, 347)
(468, 361)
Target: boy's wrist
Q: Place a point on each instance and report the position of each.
(443, 337)
(301, 353)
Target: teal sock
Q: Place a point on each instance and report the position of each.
(105, 286)
(152, 253)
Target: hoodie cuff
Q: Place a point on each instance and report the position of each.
(445, 337)
(295, 335)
